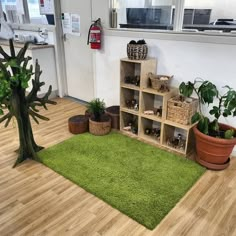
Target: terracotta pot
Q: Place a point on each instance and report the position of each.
(213, 152)
(100, 128)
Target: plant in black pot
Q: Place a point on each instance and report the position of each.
(214, 140)
(99, 122)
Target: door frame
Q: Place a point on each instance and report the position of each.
(60, 51)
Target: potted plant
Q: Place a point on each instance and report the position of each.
(99, 122)
(214, 140)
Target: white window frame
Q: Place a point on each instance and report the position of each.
(178, 25)
(26, 14)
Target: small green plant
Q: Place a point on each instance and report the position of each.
(223, 105)
(97, 108)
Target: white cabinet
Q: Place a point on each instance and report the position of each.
(46, 58)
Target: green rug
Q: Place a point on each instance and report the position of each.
(138, 179)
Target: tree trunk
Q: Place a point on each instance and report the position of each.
(28, 147)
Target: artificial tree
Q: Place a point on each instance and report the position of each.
(15, 75)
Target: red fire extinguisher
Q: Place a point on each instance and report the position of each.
(94, 34)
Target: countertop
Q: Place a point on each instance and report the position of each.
(20, 45)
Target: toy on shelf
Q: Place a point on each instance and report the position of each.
(176, 142)
(153, 131)
(159, 111)
(135, 80)
(131, 127)
(132, 104)
(149, 112)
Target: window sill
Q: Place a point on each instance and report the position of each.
(201, 37)
(32, 27)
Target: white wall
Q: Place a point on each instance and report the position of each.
(184, 60)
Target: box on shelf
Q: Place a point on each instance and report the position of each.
(181, 110)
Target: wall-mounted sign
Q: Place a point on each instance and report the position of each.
(46, 7)
(71, 23)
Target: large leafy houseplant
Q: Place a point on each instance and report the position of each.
(224, 105)
(15, 75)
(219, 105)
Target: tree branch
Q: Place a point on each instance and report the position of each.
(36, 115)
(7, 117)
(4, 54)
(12, 49)
(21, 53)
(4, 70)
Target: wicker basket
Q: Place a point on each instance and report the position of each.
(100, 128)
(78, 124)
(137, 51)
(157, 81)
(114, 113)
(181, 112)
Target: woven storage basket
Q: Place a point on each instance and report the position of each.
(100, 128)
(114, 113)
(181, 112)
(78, 124)
(137, 51)
(157, 82)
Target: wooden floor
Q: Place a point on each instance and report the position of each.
(34, 200)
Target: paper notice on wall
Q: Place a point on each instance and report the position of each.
(75, 24)
(46, 7)
(70, 23)
(66, 23)
(20, 7)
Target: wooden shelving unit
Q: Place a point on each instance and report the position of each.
(149, 99)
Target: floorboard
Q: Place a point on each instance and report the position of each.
(34, 200)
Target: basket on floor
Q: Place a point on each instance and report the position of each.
(181, 111)
(100, 128)
(78, 124)
(114, 113)
(137, 51)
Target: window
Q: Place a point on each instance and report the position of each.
(34, 13)
(144, 14)
(216, 15)
(194, 15)
(25, 11)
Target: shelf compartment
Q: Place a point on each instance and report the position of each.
(152, 117)
(131, 111)
(130, 73)
(127, 119)
(177, 139)
(185, 127)
(129, 98)
(152, 102)
(129, 86)
(154, 91)
(153, 126)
